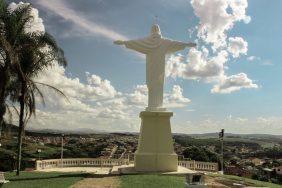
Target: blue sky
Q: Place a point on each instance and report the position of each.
(252, 105)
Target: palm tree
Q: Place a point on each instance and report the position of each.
(7, 58)
(32, 53)
(33, 59)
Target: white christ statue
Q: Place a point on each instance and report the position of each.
(155, 47)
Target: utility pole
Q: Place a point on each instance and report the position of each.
(39, 151)
(0, 131)
(221, 136)
(62, 150)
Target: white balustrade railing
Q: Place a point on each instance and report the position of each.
(79, 162)
(100, 162)
(198, 165)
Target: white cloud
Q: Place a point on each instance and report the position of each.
(95, 89)
(172, 99)
(86, 27)
(94, 103)
(139, 96)
(175, 98)
(97, 104)
(217, 17)
(216, 20)
(240, 125)
(233, 83)
(237, 46)
(241, 120)
(199, 65)
(253, 58)
(270, 121)
(267, 63)
(36, 23)
(103, 88)
(239, 10)
(262, 62)
(60, 8)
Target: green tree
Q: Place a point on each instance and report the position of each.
(7, 59)
(34, 51)
(200, 154)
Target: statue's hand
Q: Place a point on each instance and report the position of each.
(119, 42)
(192, 45)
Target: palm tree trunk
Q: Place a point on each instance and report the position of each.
(3, 84)
(21, 128)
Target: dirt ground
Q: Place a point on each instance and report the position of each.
(98, 182)
(220, 182)
(212, 183)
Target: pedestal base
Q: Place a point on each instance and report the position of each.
(151, 162)
(153, 109)
(155, 147)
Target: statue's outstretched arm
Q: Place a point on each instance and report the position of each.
(119, 42)
(174, 46)
(139, 45)
(191, 44)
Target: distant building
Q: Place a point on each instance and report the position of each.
(244, 150)
(237, 171)
(256, 161)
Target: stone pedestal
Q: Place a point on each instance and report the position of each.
(155, 151)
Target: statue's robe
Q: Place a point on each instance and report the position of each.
(155, 48)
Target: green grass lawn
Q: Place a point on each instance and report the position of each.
(42, 180)
(64, 180)
(152, 181)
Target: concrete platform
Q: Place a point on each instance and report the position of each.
(116, 170)
(129, 169)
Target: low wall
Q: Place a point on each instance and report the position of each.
(79, 162)
(198, 165)
(99, 162)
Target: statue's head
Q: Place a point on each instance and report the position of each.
(155, 30)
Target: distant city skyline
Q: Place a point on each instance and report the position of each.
(231, 81)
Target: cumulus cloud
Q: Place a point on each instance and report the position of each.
(198, 66)
(172, 99)
(94, 101)
(233, 83)
(102, 88)
(175, 98)
(36, 23)
(209, 69)
(95, 89)
(239, 10)
(216, 20)
(237, 46)
(139, 96)
(209, 62)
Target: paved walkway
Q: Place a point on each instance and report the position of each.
(129, 169)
